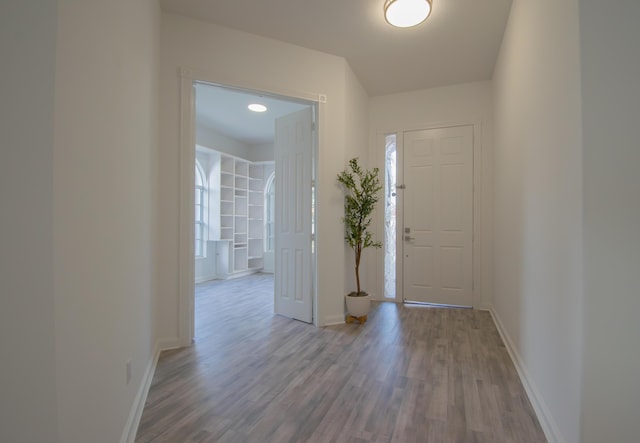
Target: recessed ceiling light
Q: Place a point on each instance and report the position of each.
(406, 13)
(256, 107)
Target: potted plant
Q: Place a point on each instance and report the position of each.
(361, 195)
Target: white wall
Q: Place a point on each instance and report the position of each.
(226, 56)
(538, 211)
(355, 117)
(610, 61)
(205, 267)
(103, 215)
(209, 138)
(468, 103)
(27, 341)
(78, 128)
(262, 152)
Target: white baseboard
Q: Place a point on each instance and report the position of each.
(331, 320)
(549, 426)
(133, 421)
(165, 344)
(205, 278)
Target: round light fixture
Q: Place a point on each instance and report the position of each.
(406, 13)
(256, 107)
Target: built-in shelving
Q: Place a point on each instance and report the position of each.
(255, 228)
(242, 212)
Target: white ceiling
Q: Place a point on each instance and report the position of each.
(458, 43)
(225, 111)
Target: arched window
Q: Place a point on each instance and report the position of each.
(269, 205)
(201, 188)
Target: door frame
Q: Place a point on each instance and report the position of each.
(186, 263)
(478, 298)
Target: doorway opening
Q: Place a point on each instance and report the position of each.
(236, 197)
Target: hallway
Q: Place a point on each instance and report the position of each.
(410, 374)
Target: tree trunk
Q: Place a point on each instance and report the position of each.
(358, 252)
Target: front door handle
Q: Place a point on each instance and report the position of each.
(409, 238)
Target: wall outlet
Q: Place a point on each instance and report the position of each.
(128, 369)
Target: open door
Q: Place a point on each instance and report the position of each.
(293, 255)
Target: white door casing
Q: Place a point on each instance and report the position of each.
(437, 236)
(293, 258)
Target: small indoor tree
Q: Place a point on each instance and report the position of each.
(362, 188)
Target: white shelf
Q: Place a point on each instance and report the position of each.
(256, 171)
(226, 194)
(240, 262)
(256, 212)
(255, 262)
(226, 180)
(256, 198)
(240, 225)
(255, 247)
(226, 164)
(241, 206)
(241, 203)
(226, 221)
(256, 228)
(240, 240)
(242, 168)
(226, 207)
(255, 185)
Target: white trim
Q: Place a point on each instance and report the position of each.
(267, 220)
(479, 300)
(332, 320)
(399, 215)
(549, 426)
(205, 278)
(186, 265)
(166, 344)
(237, 274)
(135, 414)
(232, 83)
(477, 296)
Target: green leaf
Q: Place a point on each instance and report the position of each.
(362, 188)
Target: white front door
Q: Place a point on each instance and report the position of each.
(293, 172)
(438, 216)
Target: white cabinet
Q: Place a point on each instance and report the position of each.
(223, 258)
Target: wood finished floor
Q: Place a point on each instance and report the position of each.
(410, 374)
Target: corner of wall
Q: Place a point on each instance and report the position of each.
(541, 409)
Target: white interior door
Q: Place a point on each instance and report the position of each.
(293, 172)
(438, 216)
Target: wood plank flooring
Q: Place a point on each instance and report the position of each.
(410, 374)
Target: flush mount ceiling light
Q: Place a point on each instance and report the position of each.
(406, 13)
(256, 107)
